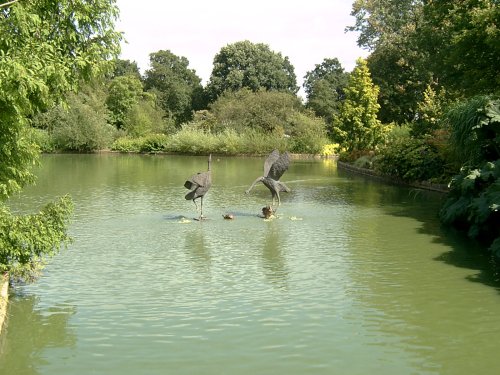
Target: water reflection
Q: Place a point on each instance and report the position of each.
(30, 333)
(273, 259)
(426, 310)
(197, 250)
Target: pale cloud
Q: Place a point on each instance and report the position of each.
(305, 31)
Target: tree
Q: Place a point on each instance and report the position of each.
(124, 92)
(46, 49)
(178, 88)
(83, 124)
(430, 111)
(324, 87)
(254, 66)
(449, 44)
(357, 126)
(462, 43)
(383, 22)
(125, 68)
(398, 67)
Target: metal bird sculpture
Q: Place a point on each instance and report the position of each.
(199, 184)
(275, 165)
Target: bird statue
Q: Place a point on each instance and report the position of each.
(199, 184)
(275, 165)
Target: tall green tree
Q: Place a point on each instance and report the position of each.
(46, 48)
(397, 70)
(388, 29)
(178, 88)
(253, 66)
(383, 22)
(462, 42)
(324, 87)
(125, 68)
(357, 127)
(450, 44)
(123, 92)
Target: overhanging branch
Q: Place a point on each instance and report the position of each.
(7, 4)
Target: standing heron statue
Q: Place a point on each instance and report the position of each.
(275, 165)
(199, 184)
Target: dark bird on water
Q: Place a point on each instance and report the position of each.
(199, 184)
(275, 165)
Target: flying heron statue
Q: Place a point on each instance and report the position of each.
(199, 184)
(275, 165)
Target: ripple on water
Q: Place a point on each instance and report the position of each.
(345, 280)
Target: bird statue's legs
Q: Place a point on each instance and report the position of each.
(201, 210)
(276, 195)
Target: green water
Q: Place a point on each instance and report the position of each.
(353, 277)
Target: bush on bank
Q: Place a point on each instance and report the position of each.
(195, 141)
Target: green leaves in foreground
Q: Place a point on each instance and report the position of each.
(27, 240)
(474, 204)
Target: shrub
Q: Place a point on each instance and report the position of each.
(144, 119)
(154, 143)
(331, 149)
(473, 204)
(264, 111)
(84, 130)
(475, 130)
(307, 134)
(411, 159)
(192, 141)
(84, 125)
(126, 144)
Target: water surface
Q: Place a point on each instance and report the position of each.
(353, 277)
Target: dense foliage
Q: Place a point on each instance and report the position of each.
(46, 48)
(81, 124)
(242, 122)
(324, 87)
(473, 204)
(410, 159)
(26, 240)
(474, 200)
(446, 44)
(124, 92)
(178, 89)
(253, 66)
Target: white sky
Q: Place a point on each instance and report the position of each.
(305, 31)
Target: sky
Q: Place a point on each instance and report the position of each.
(306, 32)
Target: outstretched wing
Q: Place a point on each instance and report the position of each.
(279, 166)
(271, 159)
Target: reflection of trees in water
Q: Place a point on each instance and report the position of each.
(196, 249)
(274, 261)
(394, 240)
(29, 332)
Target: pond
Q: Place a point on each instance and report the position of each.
(354, 276)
